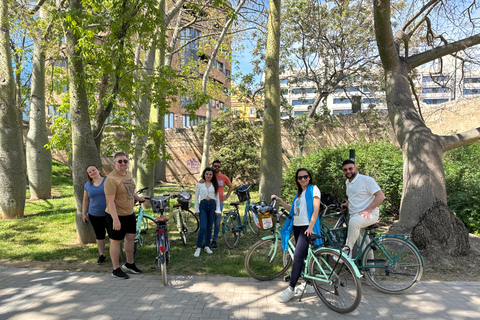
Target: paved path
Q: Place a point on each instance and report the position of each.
(43, 294)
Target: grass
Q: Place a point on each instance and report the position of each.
(47, 234)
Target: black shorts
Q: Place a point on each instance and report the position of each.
(128, 224)
(99, 225)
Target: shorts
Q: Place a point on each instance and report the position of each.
(99, 225)
(128, 224)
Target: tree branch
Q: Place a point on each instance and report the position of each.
(460, 139)
(384, 35)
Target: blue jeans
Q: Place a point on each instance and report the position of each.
(218, 220)
(206, 217)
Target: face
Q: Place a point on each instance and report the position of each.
(121, 164)
(303, 178)
(217, 167)
(350, 171)
(208, 175)
(93, 172)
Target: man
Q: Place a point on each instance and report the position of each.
(120, 195)
(222, 182)
(364, 197)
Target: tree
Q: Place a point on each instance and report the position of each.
(12, 159)
(271, 154)
(424, 211)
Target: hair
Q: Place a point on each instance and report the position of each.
(214, 179)
(90, 179)
(216, 161)
(119, 154)
(299, 187)
(348, 161)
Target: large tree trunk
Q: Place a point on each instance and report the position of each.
(84, 151)
(39, 158)
(12, 158)
(271, 155)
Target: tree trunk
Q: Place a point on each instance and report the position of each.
(271, 154)
(84, 151)
(12, 158)
(39, 158)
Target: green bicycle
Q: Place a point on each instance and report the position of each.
(334, 276)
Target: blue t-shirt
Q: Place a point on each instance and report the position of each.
(98, 203)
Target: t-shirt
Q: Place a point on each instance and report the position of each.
(300, 208)
(360, 192)
(222, 182)
(96, 195)
(123, 188)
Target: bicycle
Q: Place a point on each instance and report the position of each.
(334, 277)
(232, 225)
(390, 262)
(187, 222)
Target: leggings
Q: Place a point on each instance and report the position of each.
(301, 250)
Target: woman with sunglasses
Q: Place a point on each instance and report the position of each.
(304, 210)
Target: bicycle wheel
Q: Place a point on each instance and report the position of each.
(183, 236)
(340, 289)
(251, 223)
(397, 268)
(264, 260)
(231, 236)
(164, 273)
(190, 221)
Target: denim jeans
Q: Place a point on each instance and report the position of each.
(206, 217)
(218, 220)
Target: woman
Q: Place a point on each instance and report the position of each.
(304, 210)
(94, 203)
(207, 206)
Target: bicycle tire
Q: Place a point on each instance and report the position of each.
(398, 276)
(231, 236)
(264, 260)
(164, 273)
(343, 292)
(190, 221)
(251, 223)
(183, 236)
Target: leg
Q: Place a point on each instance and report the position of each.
(129, 243)
(210, 221)
(356, 223)
(301, 249)
(115, 252)
(218, 221)
(203, 224)
(101, 247)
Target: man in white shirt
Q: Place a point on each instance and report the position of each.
(364, 197)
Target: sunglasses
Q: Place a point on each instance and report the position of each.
(218, 167)
(122, 161)
(303, 177)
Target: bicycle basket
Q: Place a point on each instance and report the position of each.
(340, 235)
(242, 193)
(185, 200)
(159, 204)
(262, 215)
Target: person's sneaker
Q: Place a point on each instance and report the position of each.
(207, 250)
(197, 253)
(101, 259)
(131, 268)
(118, 273)
(214, 245)
(309, 289)
(286, 295)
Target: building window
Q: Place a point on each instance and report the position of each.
(303, 91)
(252, 112)
(189, 52)
(187, 122)
(301, 102)
(298, 113)
(434, 90)
(219, 66)
(434, 101)
(283, 81)
(371, 101)
(471, 80)
(169, 120)
(471, 91)
(342, 111)
(434, 78)
(341, 100)
(185, 99)
(227, 73)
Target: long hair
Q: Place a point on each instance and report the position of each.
(214, 179)
(88, 176)
(299, 187)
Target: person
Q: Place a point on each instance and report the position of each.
(304, 210)
(120, 195)
(207, 206)
(222, 182)
(93, 208)
(364, 196)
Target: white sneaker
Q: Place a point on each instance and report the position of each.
(197, 252)
(309, 289)
(207, 250)
(286, 295)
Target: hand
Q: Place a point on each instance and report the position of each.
(343, 206)
(365, 214)
(217, 214)
(273, 197)
(201, 181)
(224, 198)
(309, 231)
(197, 213)
(85, 218)
(143, 199)
(117, 225)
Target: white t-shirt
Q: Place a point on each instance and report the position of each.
(360, 192)
(300, 208)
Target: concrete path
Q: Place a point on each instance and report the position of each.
(42, 294)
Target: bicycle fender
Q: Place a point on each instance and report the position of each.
(357, 272)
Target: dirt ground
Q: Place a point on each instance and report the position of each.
(465, 268)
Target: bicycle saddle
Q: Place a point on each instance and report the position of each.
(161, 220)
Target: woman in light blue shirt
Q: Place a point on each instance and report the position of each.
(207, 206)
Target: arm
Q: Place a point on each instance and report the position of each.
(379, 197)
(316, 209)
(230, 189)
(282, 203)
(138, 198)
(113, 211)
(196, 209)
(86, 202)
(217, 209)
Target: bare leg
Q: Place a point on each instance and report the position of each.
(101, 247)
(129, 243)
(115, 252)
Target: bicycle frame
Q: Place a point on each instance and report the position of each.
(141, 215)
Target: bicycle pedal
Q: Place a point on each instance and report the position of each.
(286, 279)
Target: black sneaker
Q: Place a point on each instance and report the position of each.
(101, 259)
(213, 245)
(118, 273)
(131, 268)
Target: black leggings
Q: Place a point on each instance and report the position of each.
(301, 249)
(99, 225)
